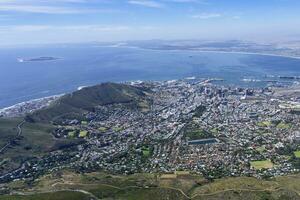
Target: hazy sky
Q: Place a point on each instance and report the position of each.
(52, 21)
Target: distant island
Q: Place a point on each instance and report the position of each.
(42, 58)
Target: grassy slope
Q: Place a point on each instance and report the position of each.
(182, 187)
(251, 195)
(8, 129)
(49, 196)
(36, 140)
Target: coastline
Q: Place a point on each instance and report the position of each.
(249, 53)
(25, 107)
(4, 109)
(211, 51)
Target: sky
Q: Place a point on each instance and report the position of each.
(73, 21)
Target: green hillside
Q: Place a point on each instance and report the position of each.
(75, 104)
(36, 140)
(181, 186)
(65, 195)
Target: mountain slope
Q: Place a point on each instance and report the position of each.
(75, 104)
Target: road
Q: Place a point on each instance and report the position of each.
(19, 127)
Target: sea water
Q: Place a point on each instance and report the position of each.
(83, 65)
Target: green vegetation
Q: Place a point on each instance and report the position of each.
(144, 106)
(297, 154)
(214, 131)
(75, 104)
(283, 125)
(261, 149)
(262, 164)
(198, 134)
(193, 131)
(83, 134)
(49, 196)
(71, 134)
(264, 124)
(179, 185)
(251, 195)
(151, 193)
(102, 129)
(199, 111)
(84, 123)
(117, 129)
(278, 124)
(35, 141)
(146, 151)
(8, 129)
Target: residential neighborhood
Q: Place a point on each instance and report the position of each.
(182, 125)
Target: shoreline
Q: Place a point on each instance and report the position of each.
(27, 106)
(210, 51)
(249, 53)
(29, 101)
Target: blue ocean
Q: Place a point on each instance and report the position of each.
(83, 65)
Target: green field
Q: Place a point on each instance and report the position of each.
(71, 134)
(102, 129)
(278, 124)
(264, 124)
(297, 154)
(197, 134)
(261, 149)
(283, 125)
(83, 134)
(262, 164)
